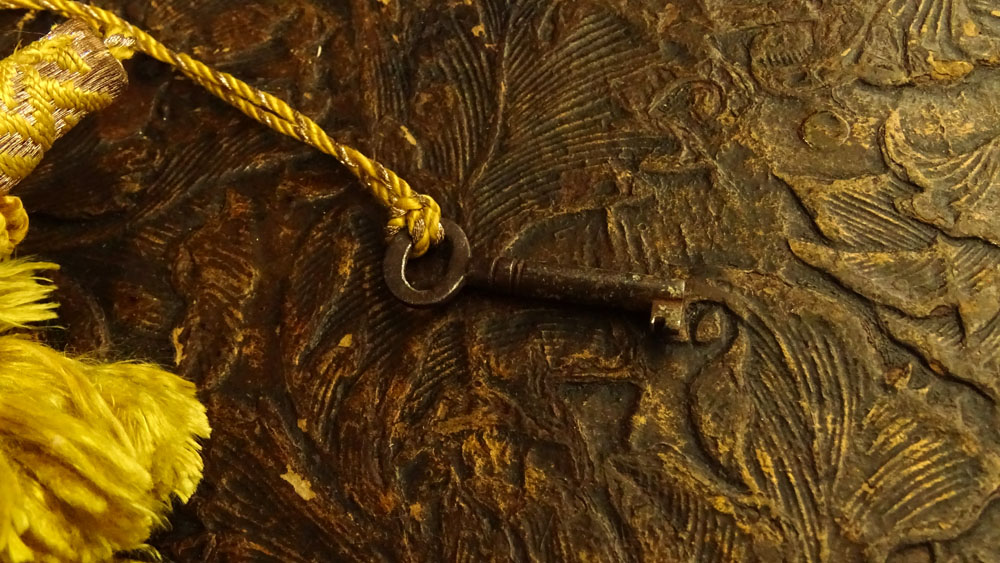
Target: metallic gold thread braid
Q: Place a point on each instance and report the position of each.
(33, 116)
(419, 214)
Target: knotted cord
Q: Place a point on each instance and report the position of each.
(419, 214)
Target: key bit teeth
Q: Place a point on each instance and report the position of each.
(670, 314)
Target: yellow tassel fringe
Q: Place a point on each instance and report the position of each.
(90, 453)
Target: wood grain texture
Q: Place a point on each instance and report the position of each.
(828, 168)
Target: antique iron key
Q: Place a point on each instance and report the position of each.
(663, 299)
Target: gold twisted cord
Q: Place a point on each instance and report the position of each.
(419, 214)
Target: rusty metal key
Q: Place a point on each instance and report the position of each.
(663, 299)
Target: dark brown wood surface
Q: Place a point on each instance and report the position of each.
(831, 168)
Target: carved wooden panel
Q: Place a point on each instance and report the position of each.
(831, 168)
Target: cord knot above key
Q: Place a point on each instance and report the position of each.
(421, 217)
(419, 214)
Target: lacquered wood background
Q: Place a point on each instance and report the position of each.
(829, 165)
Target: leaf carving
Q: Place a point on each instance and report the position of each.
(805, 388)
(931, 476)
(221, 280)
(910, 40)
(961, 194)
(952, 274)
(971, 357)
(525, 90)
(939, 294)
(679, 525)
(858, 212)
(842, 466)
(337, 320)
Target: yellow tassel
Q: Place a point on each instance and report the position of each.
(91, 453)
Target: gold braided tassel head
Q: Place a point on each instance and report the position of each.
(46, 88)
